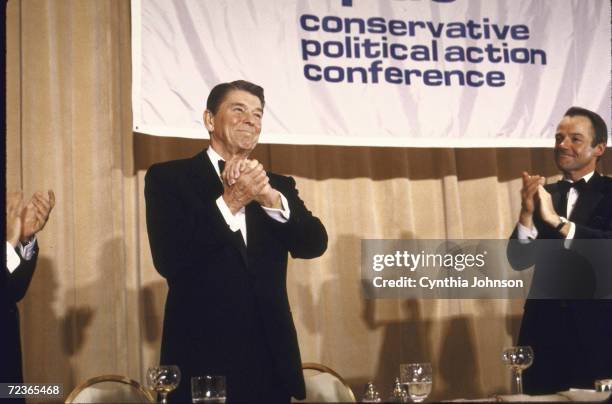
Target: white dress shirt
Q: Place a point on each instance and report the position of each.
(13, 259)
(525, 233)
(238, 221)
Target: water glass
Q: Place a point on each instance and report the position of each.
(417, 379)
(208, 389)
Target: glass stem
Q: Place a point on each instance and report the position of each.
(517, 376)
(164, 398)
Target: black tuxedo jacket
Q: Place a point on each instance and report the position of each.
(569, 335)
(227, 310)
(13, 287)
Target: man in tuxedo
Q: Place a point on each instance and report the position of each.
(22, 224)
(567, 318)
(220, 229)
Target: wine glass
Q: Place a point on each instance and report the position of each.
(417, 380)
(163, 379)
(518, 358)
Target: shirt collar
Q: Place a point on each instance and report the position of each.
(214, 159)
(586, 178)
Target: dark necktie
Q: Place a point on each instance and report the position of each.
(221, 165)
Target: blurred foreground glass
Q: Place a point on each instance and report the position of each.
(208, 389)
(603, 385)
(398, 394)
(417, 380)
(518, 358)
(371, 395)
(163, 379)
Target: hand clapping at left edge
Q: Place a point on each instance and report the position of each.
(14, 206)
(35, 214)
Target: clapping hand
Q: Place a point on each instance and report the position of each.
(547, 210)
(14, 206)
(35, 214)
(528, 197)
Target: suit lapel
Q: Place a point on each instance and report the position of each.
(587, 201)
(557, 200)
(255, 234)
(204, 179)
(207, 186)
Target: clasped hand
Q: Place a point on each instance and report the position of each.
(245, 181)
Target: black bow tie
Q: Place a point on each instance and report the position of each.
(221, 165)
(564, 186)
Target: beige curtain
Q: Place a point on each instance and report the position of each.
(95, 305)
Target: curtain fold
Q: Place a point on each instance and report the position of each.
(95, 305)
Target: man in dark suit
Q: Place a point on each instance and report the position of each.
(220, 229)
(567, 318)
(22, 223)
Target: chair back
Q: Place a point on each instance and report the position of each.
(109, 389)
(324, 385)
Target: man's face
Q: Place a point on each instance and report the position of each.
(236, 126)
(574, 154)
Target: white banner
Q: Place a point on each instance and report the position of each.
(424, 73)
